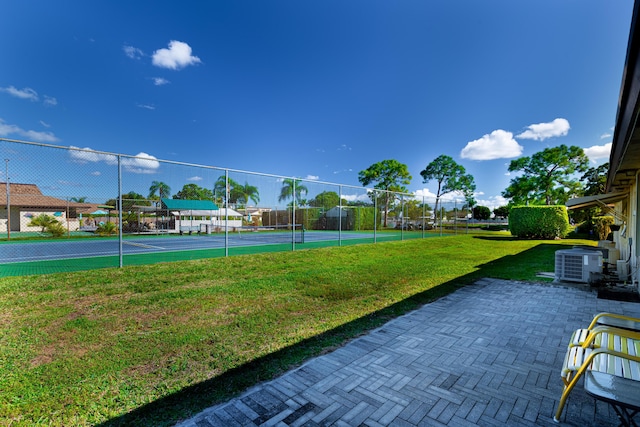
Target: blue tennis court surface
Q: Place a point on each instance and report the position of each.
(27, 251)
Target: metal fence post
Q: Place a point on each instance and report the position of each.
(226, 212)
(6, 178)
(120, 257)
(340, 215)
(375, 216)
(293, 217)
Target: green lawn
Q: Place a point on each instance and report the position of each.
(149, 345)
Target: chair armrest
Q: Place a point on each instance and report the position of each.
(616, 320)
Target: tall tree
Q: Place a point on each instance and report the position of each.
(595, 180)
(220, 190)
(501, 211)
(129, 200)
(159, 187)
(194, 192)
(451, 177)
(547, 177)
(481, 213)
(326, 200)
(287, 191)
(243, 193)
(391, 176)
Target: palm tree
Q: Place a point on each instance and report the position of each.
(159, 187)
(42, 220)
(287, 191)
(78, 199)
(220, 188)
(244, 193)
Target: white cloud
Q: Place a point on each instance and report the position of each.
(132, 52)
(142, 163)
(312, 177)
(6, 130)
(605, 136)
(29, 94)
(499, 144)
(431, 197)
(344, 147)
(88, 155)
(159, 81)
(50, 101)
(492, 202)
(146, 106)
(458, 198)
(195, 178)
(25, 93)
(32, 135)
(598, 152)
(542, 131)
(177, 56)
(360, 197)
(45, 124)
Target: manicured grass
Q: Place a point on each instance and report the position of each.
(149, 345)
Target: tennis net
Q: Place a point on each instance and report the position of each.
(286, 233)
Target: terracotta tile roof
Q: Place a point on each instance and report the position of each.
(30, 196)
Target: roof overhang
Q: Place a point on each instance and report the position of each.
(187, 205)
(207, 212)
(624, 161)
(598, 200)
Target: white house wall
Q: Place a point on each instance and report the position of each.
(628, 243)
(21, 218)
(634, 221)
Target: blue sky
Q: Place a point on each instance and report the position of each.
(316, 89)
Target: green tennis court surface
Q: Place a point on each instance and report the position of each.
(39, 257)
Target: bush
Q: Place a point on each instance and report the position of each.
(481, 213)
(43, 221)
(539, 222)
(56, 229)
(602, 226)
(108, 228)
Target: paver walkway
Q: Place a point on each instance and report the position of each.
(488, 354)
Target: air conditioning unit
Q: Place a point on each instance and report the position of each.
(576, 265)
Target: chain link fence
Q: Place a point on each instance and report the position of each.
(69, 209)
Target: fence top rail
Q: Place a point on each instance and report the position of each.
(173, 162)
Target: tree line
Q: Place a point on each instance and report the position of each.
(551, 176)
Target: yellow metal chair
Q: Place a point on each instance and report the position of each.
(613, 350)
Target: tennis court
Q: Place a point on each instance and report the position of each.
(30, 251)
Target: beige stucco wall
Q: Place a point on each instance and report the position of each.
(20, 219)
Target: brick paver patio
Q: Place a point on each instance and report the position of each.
(489, 354)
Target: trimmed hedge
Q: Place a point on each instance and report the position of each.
(356, 218)
(539, 222)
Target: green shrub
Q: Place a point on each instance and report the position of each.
(365, 218)
(539, 222)
(107, 229)
(43, 221)
(56, 229)
(602, 226)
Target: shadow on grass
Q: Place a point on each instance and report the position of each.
(194, 399)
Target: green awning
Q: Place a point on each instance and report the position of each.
(188, 205)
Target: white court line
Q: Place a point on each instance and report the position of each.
(142, 245)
